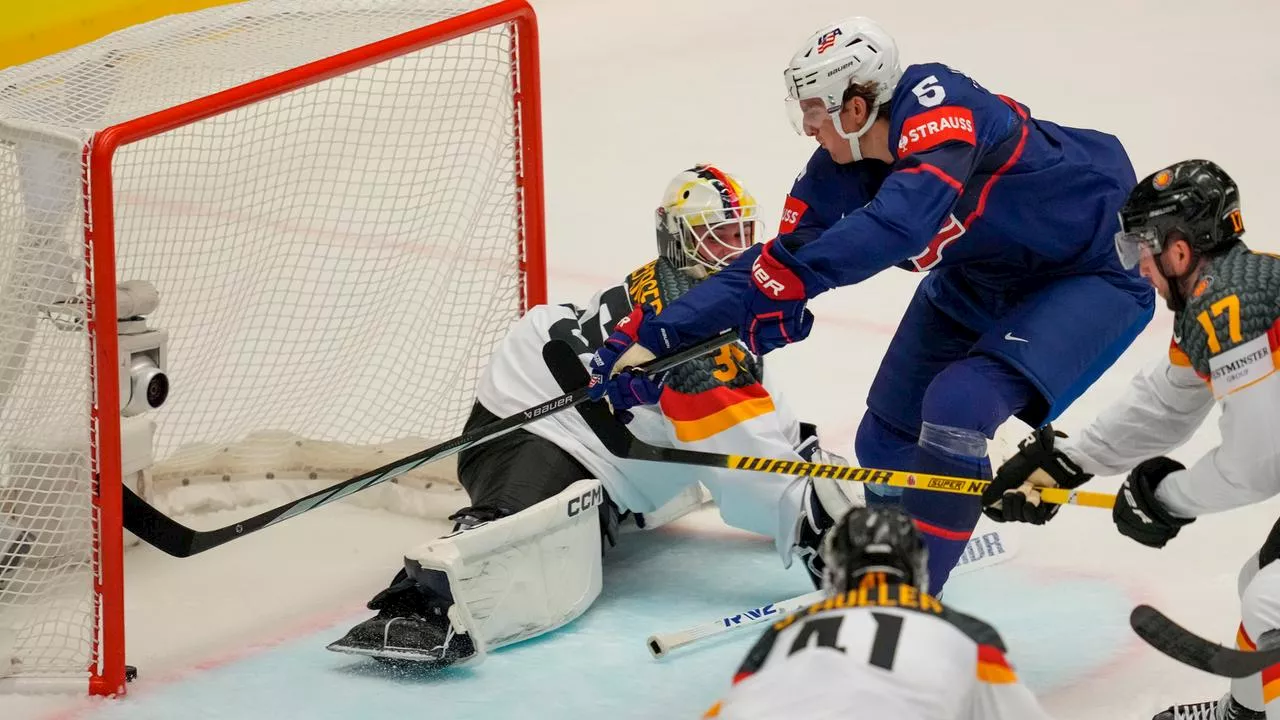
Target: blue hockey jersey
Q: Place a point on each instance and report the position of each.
(979, 183)
(991, 200)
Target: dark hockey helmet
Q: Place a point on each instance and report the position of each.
(867, 540)
(1195, 198)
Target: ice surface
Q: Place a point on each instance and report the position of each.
(635, 92)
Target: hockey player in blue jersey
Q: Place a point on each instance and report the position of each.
(1025, 303)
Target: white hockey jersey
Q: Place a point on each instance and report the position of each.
(884, 650)
(716, 403)
(1226, 347)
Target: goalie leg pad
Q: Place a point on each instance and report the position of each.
(524, 574)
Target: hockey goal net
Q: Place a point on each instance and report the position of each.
(338, 205)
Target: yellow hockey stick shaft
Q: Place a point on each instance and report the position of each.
(569, 373)
(903, 479)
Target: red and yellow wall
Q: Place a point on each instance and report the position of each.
(32, 29)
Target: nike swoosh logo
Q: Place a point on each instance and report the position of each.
(1014, 338)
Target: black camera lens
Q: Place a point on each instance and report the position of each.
(157, 390)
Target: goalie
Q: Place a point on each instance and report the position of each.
(525, 557)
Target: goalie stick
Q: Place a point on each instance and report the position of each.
(620, 441)
(1190, 649)
(171, 537)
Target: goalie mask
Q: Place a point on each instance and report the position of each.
(707, 219)
(867, 540)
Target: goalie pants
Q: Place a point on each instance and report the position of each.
(1259, 587)
(519, 469)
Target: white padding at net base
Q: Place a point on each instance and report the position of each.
(333, 264)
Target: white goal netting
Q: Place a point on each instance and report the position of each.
(333, 264)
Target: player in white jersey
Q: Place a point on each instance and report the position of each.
(1182, 225)
(880, 646)
(525, 557)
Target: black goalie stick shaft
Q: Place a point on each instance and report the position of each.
(1190, 649)
(169, 536)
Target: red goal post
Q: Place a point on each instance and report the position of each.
(333, 244)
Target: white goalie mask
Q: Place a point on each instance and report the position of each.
(852, 52)
(707, 219)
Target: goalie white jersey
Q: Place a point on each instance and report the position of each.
(716, 403)
(884, 650)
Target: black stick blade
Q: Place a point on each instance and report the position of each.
(1190, 649)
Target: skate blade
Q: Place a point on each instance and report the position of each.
(400, 656)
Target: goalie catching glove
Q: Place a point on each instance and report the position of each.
(1014, 494)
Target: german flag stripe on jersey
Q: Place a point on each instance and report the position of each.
(993, 668)
(1177, 356)
(713, 711)
(697, 416)
(1180, 358)
(1273, 339)
(1270, 683)
(1242, 640)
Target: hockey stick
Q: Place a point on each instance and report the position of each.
(1190, 649)
(169, 536)
(618, 439)
(661, 644)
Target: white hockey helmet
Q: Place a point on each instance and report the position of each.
(707, 218)
(853, 51)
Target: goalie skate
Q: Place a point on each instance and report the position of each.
(428, 640)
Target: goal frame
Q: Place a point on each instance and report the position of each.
(107, 664)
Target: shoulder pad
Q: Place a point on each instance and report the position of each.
(973, 628)
(1235, 301)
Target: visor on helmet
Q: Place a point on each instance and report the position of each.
(1129, 245)
(808, 114)
(1151, 236)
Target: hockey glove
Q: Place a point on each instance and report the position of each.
(624, 389)
(1013, 496)
(810, 451)
(774, 305)
(1138, 514)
